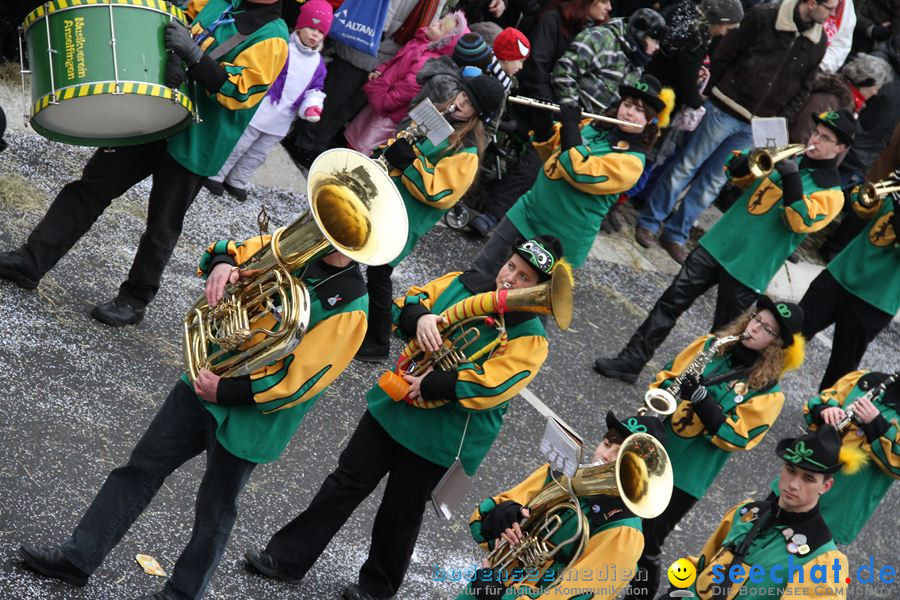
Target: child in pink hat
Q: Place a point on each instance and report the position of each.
(298, 92)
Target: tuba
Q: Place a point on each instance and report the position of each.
(641, 476)
(762, 160)
(460, 331)
(870, 193)
(354, 208)
(664, 402)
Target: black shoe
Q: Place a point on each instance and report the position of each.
(372, 352)
(50, 562)
(618, 368)
(12, 267)
(612, 220)
(794, 257)
(239, 194)
(214, 187)
(117, 313)
(354, 592)
(163, 595)
(266, 565)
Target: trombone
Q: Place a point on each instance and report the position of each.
(524, 101)
(762, 160)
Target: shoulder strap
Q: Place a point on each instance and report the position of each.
(226, 46)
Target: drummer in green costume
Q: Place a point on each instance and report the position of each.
(870, 447)
(779, 548)
(416, 438)
(233, 52)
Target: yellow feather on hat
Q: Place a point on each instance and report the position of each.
(852, 459)
(667, 95)
(794, 354)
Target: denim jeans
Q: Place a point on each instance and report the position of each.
(700, 166)
(181, 430)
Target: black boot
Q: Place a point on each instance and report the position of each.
(162, 595)
(117, 313)
(618, 368)
(354, 592)
(50, 562)
(265, 564)
(12, 267)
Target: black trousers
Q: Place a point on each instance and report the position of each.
(108, 175)
(344, 98)
(698, 274)
(856, 323)
(370, 454)
(514, 185)
(656, 530)
(381, 295)
(181, 430)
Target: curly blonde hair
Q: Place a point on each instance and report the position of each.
(769, 367)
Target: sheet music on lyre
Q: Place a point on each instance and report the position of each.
(429, 118)
(562, 447)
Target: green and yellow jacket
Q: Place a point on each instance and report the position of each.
(606, 565)
(756, 235)
(259, 414)
(435, 181)
(869, 267)
(768, 559)
(250, 68)
(701, 438)
(576, 188)
(847, 506)
(478, 392)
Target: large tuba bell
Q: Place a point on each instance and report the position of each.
(553, 297)
(641, 476)
(762, 160)
(355, 209)
(870, 193)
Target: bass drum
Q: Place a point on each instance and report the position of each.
(98, 72)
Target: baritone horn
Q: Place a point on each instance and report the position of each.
(869, 193)
(354, 208)
(763, 160)
(641, 476)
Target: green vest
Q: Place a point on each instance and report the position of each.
(436, 434)
(869, 267)
(204, 147)
(554, 207)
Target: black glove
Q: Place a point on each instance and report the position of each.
(486, 589)
(175, 71)
(179, 40)
(543, 125)
(400, 154)
(879, 33)
(895, 223)
(500, 519)
(569, 132)
(692, 389)
(787, 166)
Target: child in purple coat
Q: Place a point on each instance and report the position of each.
(393, 85)
(296, 93)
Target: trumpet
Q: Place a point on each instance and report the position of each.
(869, 193)
(662, 402)
(524, 101)
(762, 160)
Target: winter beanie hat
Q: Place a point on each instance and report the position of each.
(722, 12)
(317, 14)
(471, 50)
(511, 44)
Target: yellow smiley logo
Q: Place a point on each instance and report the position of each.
(682, 573)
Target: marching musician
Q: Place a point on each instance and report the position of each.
(587, 164)
(859, 290)
(431, 179)
(870, 448)
(239, 421)
(744, 250)
(615, 532)
(785, 541)
(232, 79)
(415, 446)
(729, 408)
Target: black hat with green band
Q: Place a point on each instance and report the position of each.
(637, 424)
(817, 451)
(542, 253)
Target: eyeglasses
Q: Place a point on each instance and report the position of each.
(761, 323)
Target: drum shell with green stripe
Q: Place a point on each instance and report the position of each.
(100, 93)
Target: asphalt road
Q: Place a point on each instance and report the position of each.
(77, 395)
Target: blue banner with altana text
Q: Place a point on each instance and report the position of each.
(359, 24)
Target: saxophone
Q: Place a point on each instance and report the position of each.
(850, 414)
(663, 402)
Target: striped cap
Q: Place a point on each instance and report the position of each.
(472, 50)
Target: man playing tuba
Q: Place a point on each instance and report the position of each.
(615, 537)
(446, 418)
(238, 421)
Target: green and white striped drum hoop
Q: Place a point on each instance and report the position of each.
(98, 72)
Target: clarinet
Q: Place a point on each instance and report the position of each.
(850, 414)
